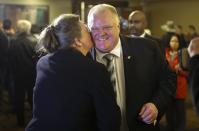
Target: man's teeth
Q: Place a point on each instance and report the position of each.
(102, 38)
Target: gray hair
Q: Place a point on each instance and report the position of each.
(61, 33)
(23, 26)
(101, 8)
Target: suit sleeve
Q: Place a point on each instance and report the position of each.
(3, 49)
(166, 84)
(194, 80)
(107, 111)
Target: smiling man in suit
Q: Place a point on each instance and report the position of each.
(138, 71)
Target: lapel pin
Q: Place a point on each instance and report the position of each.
(129, 57)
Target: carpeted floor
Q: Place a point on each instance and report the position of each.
(7, 116)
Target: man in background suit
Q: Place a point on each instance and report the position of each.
(142, 87)
(3, 61)
(137, 25)
(3, 55)
(22, 66)
(193, 51)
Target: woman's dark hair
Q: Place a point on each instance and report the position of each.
(61, 33)
(172, 35)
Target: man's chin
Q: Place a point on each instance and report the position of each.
(103, 50)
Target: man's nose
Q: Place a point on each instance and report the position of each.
(102, 31)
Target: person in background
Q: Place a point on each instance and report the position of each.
(72, 92)
(176, 114)
(7, 27)
(22, 63)
(138, 24)
(3, 61)
(8, 81)
(191, 33)
(138, 71)
(193, 50)
(169, 29)
(180, 33)
(3, 55)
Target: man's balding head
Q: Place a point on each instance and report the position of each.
(193, 48)
(137, 23)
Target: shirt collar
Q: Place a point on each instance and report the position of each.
(142, 35)
(115, 51)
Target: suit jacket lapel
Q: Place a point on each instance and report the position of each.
(128, 59)
(127, 51)
(92, 54)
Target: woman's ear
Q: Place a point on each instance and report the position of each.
(77, 42)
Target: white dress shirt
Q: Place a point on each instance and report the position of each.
(120, 79)
(142, 35)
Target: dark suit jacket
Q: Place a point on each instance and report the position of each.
(3, 49)
(73, 93)
(22, 57)
(194, 79)
(146, 80)
(3, 55)
(172, 76)
(158, 41)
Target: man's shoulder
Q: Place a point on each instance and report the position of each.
(137, 41)
(153, 38)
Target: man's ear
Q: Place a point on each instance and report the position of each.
(77, 42)
(119, 27)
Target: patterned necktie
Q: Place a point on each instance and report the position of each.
(110, 67)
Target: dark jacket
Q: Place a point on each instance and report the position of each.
(146, 80)
(194, 79)
(157, 40)
(22, 56)
(172, 76)
(3, 56)
(3, 48)
(73, 93)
